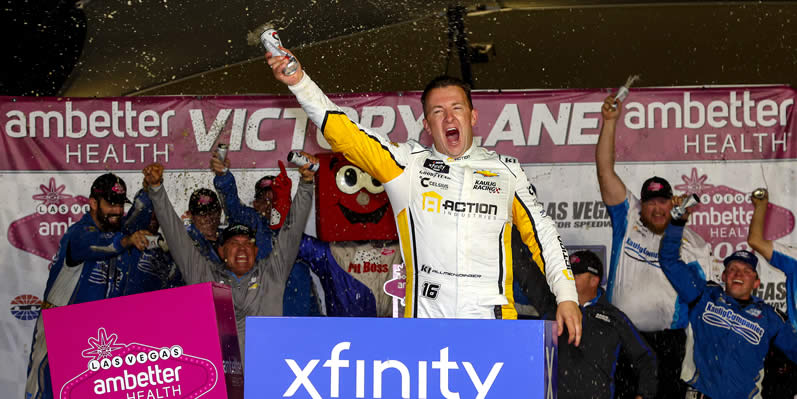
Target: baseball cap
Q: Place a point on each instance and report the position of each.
(744, 256)
(202, 201)
(236, 230)
(656, 187)
(111, 188)
(263, 184)
(586, 262)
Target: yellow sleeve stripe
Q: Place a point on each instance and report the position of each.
(359, 147)
(528, 231)
(508, 311)
(409, 269)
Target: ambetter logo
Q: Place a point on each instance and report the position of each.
(723, 216)
(40, 232)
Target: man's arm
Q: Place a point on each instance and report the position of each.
(371, 152)
(613, 190)
(90, 244)
(641, 355)
(139, 215)
(290, 237)
(538, 233)
(236, 211)
(531, 279)
(682, 277)
(755, 236)
(786, 338)
(193, 265)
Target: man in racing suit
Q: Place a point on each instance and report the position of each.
(454, 206)
(93, 260)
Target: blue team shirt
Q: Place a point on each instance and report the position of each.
(726, 341)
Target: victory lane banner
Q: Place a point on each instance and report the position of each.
(175, 343)
(728, 123)
(399, 358)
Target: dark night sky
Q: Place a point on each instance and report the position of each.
(199, 47)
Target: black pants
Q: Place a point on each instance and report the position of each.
(670, 347)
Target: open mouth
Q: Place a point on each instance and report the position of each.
(241, 258)
(370, 217)
(452, 135)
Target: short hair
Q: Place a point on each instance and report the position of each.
(445, 81)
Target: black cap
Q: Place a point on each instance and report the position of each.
(111, 188)
(586, 262)
(203, 201)
(656, 187)
(264, 184)
(236, 230)
(744, 256)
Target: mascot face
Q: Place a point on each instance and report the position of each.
(351, 205)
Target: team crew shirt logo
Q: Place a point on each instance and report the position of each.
(454, 217)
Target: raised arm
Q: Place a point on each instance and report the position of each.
(613, 190)
(682, 277)
(290, 237)
(236, 211)
(195, 267)
(227, 188)
(139, 215)
(755, 236)
(373, 153)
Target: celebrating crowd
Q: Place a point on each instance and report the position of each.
(660, 328)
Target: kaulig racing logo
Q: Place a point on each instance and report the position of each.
(303, 375)
(723, 216)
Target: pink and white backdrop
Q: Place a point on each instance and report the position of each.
(718, 142)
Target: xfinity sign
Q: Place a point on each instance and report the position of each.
(399, 358)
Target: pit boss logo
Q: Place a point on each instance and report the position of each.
(139, 371)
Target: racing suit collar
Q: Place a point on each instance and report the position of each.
(466, 155)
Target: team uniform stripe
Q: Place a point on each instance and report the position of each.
(409, 266)
(359, 147)
(501, 248)
(523, 220)
(414, 262)
(508, 311)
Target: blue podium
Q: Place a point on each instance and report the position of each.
(399, 358)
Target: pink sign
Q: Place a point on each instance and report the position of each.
(176, 343)
(723, 216)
